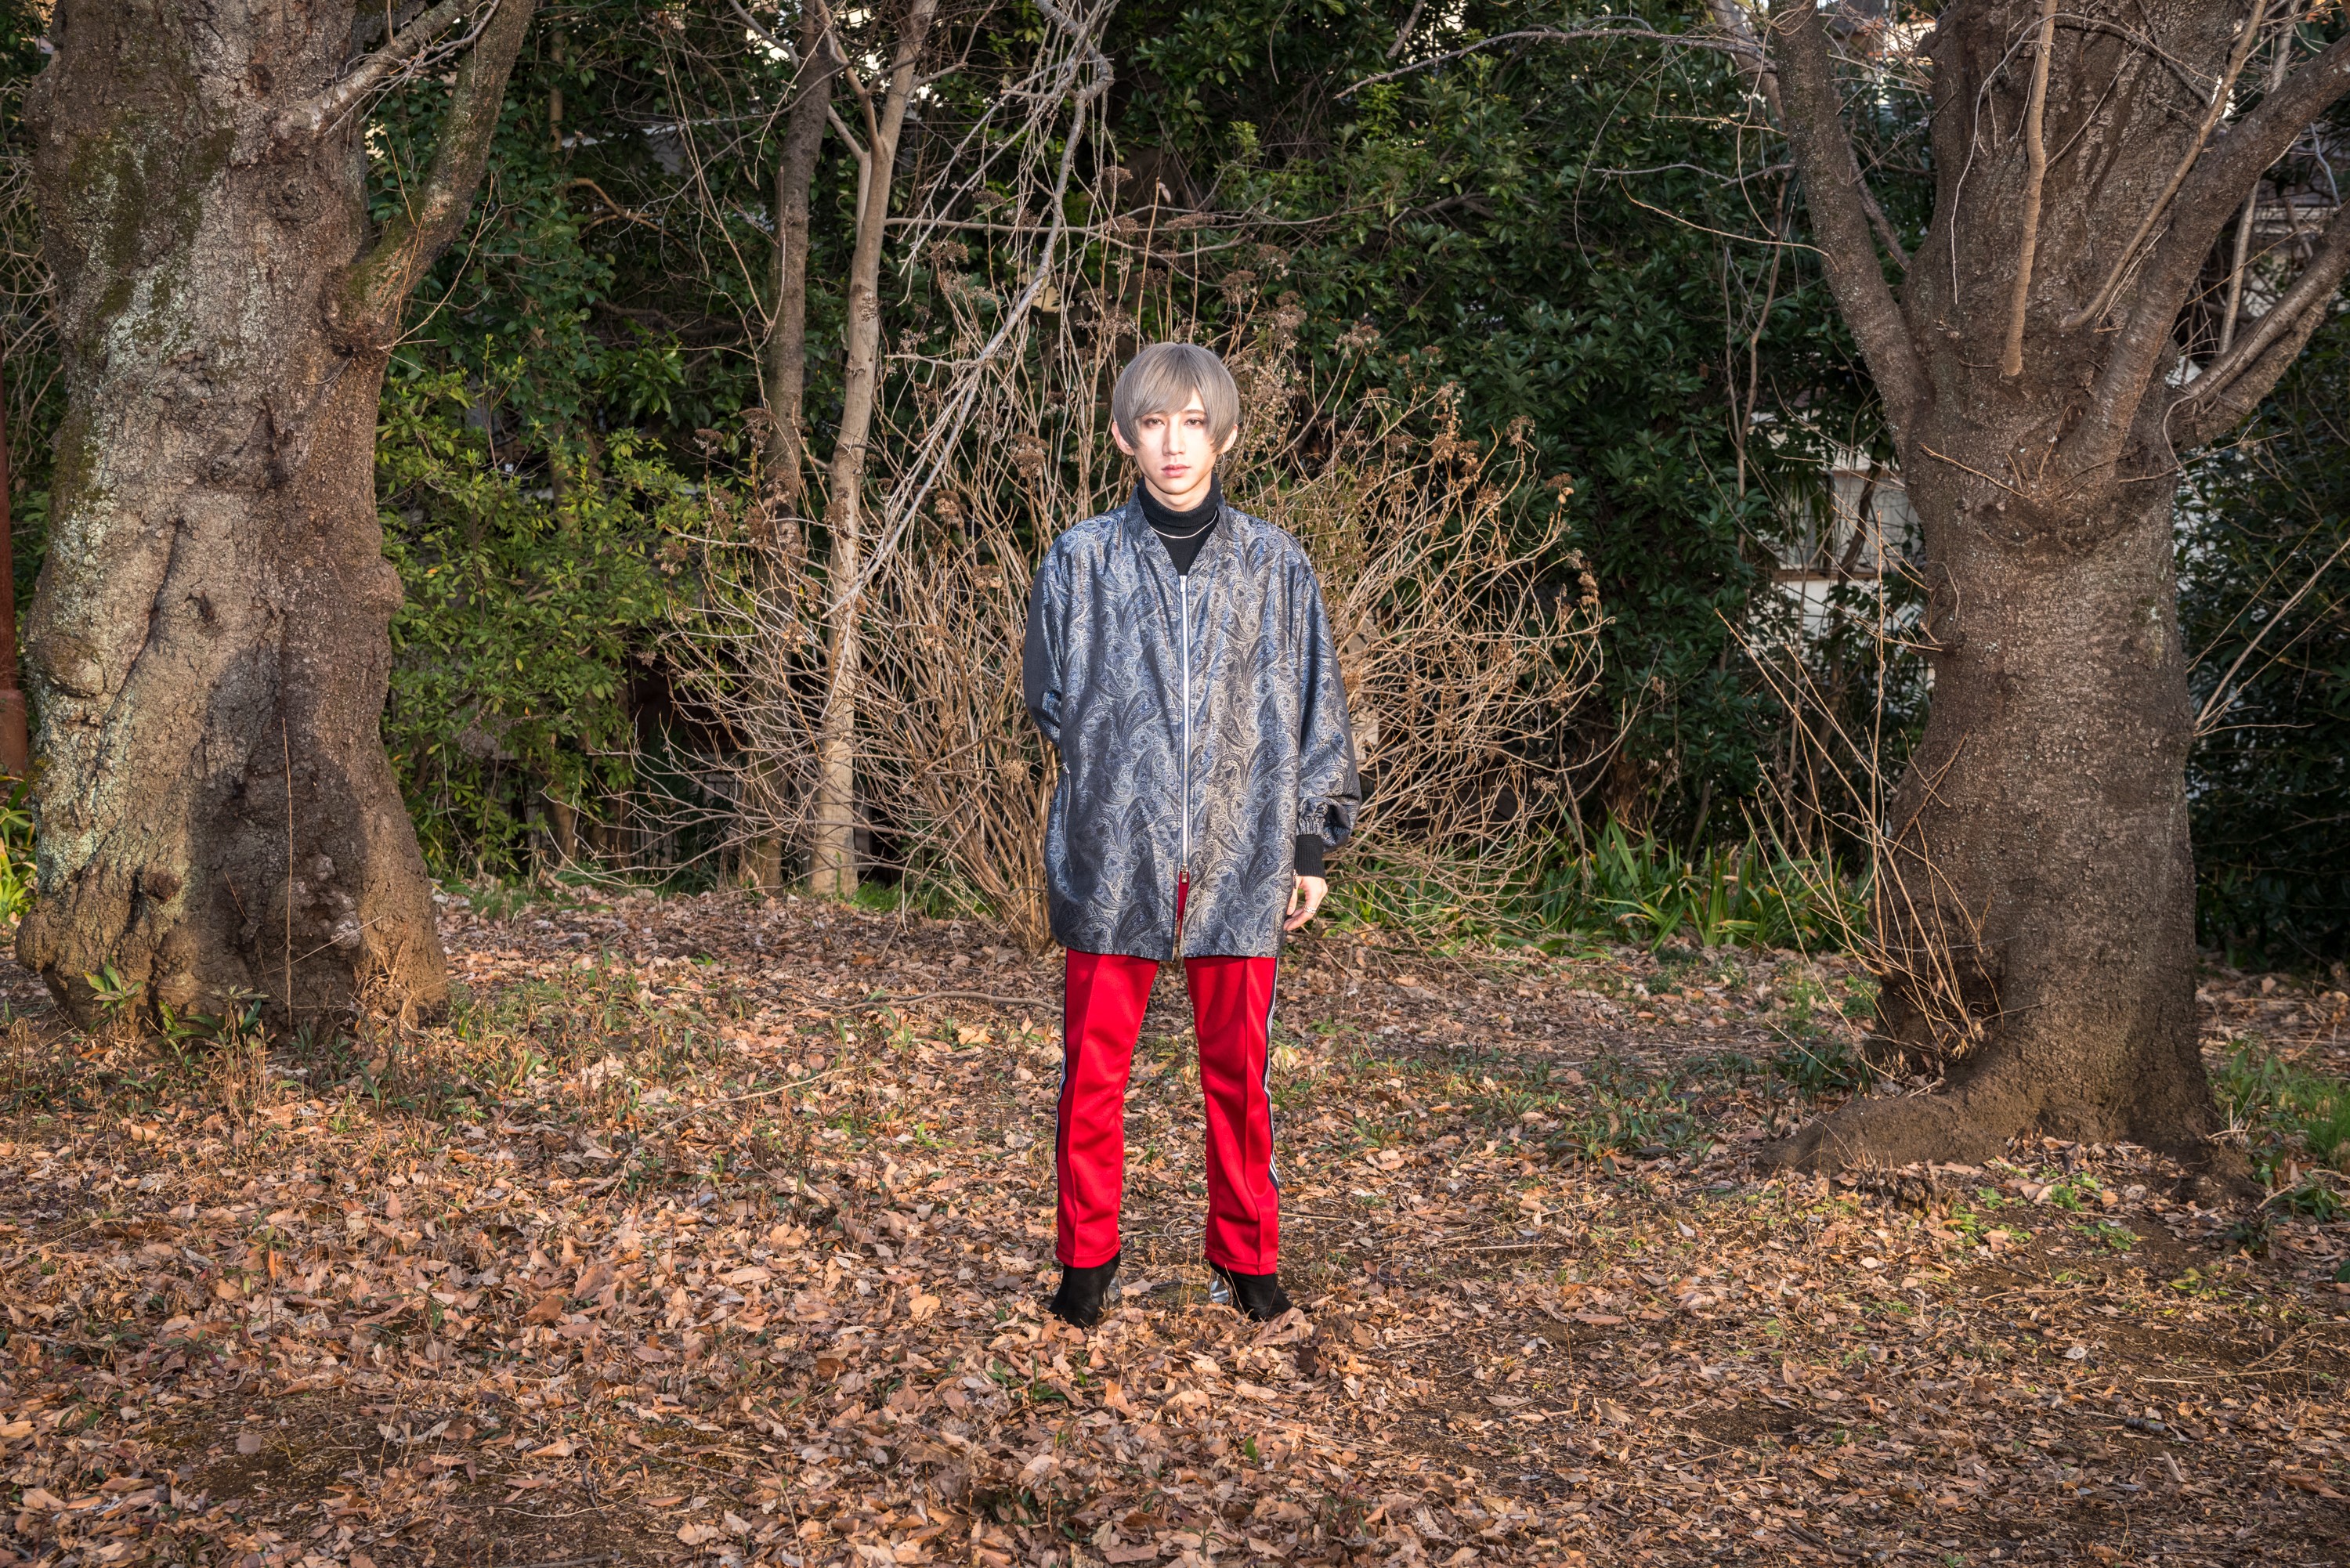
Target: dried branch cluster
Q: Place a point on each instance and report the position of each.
(1922, 940)
(1463, 654)
(1467, 632)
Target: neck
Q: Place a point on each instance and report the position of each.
(1190, 500)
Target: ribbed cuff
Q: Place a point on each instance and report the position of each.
(1309, 854)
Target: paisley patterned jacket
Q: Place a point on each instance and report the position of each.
(1201, 726)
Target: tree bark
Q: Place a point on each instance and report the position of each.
(15, 740)
(783, 384)
(833, 846)
(786, 354)
(2033, 924)
(209, 642)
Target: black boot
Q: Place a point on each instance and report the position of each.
(1085, 1292)
(1259, 1296)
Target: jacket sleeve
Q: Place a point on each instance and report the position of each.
(1040, 654)
(1328, 788)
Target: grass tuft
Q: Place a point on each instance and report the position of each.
(1641, 889)
(2287, 1114)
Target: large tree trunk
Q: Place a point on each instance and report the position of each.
(2034, 900)
(2034, 895)
(209, 641)
(832, 869)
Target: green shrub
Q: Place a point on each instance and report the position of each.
(511, 648)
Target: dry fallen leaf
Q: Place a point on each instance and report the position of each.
(825, 1313)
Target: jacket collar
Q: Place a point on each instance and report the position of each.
(1136, 528)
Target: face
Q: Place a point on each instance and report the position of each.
(1175, 453)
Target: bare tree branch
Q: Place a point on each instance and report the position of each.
(2235, 161)
(2279, 58)
(760, 32)
(2235, 383)
(372, 26)
(2229, 171)
(309, 118)
(2237, 264)
(1730, 17)
(1833, 186)
(2036, 177)
(1403, 34)
(366, 307)
(785, 350)
(2104, 299)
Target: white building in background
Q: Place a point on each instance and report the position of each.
(1868, 532)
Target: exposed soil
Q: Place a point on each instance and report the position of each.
(711, 1231)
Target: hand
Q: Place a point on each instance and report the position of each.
(1303, 899)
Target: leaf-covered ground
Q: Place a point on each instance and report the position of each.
(717, 1231)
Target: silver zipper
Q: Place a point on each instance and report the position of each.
(1184, 585)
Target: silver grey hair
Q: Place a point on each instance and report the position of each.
(1162, 377)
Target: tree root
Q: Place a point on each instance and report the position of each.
(1967, 1127)
(1962, 1127)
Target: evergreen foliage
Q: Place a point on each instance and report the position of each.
(2264, 603)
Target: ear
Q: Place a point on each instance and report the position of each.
(1118, 436)
(1231, 441)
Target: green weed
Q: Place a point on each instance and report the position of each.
(1815, 1068)
(15, 852)
(2287, 1114)
(1644, 890)
(1652, 1119)
(2068, 1192)
(2105, 1232)
(2316, 1198)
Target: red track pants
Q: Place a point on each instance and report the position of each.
(1231, 1013)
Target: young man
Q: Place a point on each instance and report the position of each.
(1178, 660)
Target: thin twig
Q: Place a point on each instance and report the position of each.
(2035, 153)
(2223, 695)
(675, 1122)
(2278, 61)
(1977, 473)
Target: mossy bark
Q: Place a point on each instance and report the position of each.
(208, 640)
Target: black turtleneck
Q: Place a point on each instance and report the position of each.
(1183, 534)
